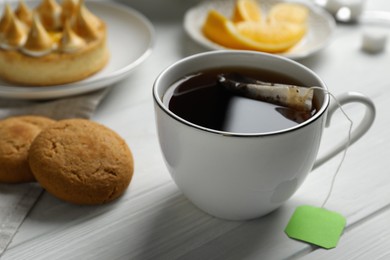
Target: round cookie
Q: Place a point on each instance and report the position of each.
(16, 136)
(81, 162)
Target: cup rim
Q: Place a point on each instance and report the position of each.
(159, 102)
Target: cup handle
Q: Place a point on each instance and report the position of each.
(359, 131)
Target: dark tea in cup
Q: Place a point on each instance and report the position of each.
(236, 157)
(202, 99)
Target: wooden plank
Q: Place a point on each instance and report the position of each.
(154, 219)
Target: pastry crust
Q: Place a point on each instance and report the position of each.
(57, 67)
(70, 48)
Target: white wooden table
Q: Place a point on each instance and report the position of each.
(153, 220)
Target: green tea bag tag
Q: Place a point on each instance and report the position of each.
(316, 226)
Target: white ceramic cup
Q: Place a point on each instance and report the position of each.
(239, 176)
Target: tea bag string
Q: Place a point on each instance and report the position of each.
(299, 98)
(346, 145)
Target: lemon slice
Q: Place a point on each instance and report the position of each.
(288, 12)
(222, 31)
(273, 36)
(246, 10)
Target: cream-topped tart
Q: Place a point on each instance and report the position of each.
(51, 44)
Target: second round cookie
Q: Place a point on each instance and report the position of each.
(81, 161)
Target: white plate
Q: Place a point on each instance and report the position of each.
(130, 41)
(320, 26)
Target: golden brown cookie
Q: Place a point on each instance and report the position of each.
(81, 162)
(16, 136)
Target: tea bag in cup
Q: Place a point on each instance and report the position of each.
(290, 96)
